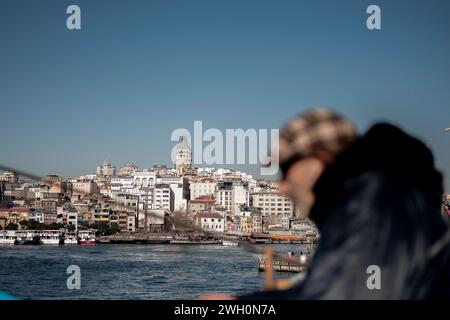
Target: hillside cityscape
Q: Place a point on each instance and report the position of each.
(182, 203)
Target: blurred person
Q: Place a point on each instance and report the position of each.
(376, 200)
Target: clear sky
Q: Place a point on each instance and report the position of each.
(137, 70)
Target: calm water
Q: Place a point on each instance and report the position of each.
(130, 271)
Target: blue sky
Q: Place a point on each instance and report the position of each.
(140, 69)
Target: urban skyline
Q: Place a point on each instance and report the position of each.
(118, 87)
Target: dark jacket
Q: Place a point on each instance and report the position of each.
(378, 204)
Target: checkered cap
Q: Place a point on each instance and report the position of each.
(316, 130)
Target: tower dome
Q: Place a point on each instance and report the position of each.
(183, 159)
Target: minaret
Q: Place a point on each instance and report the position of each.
(183, 159)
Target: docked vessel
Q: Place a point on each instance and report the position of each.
(27, 237)
(86, 237)
(260, 238)
(51, 237)
(181, 239)
(70, 238)
(7, 236)
(230, 243)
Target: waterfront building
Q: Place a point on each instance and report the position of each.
(3, 218)
(285, 221)
(210, 221)
(60, 215)
(246, 223)
(127, 221)
(153, 220)
(50, 217)
(233, 224)
(131, 223)
(257, 223)
(72, 217)
(101, 214)
(16, 214)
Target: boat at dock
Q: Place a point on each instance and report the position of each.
(50, 237)
(260, 238)
(7, 236)
(194, 241)
(70, 238)
(27, 237)
(230, 243)
(86, 237)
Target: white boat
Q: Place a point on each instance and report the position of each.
(86, 237)
(27, 237)
(7, 236)
(70, 238)
(51, 237)
(230, 243)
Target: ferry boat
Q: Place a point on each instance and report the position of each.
(230, 243)
(181, 238)
(70, 238)
(27, 237)
(86, 237)
(260, 238)
(7, 236)
(52, 237)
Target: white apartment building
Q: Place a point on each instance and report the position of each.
(202, 188)
(224, 198)
(121, 184)
(240, 196)
(145, 178)
(212, 222)
(272, 203)
(231, 195)
(72, 217)
(179, 191)
(162, 198)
